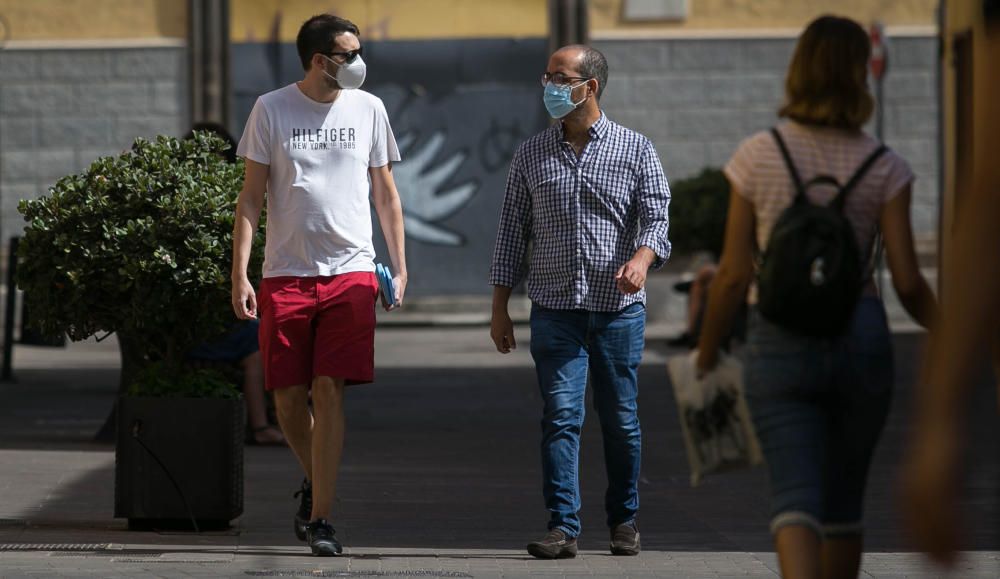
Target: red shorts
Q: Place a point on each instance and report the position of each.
(317, 326)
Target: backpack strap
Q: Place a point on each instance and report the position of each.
(841, 198)
(872, 255)
(800, 190)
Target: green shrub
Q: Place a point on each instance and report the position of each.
(158, 379)
(698, 207)
(138, 244)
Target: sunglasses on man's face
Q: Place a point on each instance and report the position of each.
(345, 57)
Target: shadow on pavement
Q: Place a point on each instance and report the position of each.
(448, 459)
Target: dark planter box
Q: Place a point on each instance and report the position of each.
(199, 441)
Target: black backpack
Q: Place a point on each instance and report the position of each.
(811, 274)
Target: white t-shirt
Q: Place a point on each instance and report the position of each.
(759, 173)
(318, 217)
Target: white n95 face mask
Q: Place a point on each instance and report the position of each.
(350, 75)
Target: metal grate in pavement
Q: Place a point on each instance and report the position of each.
(322, 573)
(161, 559)
(138, 558)
(54, 546)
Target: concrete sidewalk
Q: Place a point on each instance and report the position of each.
(440, 479)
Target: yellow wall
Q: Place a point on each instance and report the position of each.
(94, 19)
(254, 20)
(606, 15)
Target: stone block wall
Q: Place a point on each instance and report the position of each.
(62, 108)
(697, 98)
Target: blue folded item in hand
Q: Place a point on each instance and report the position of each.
(385, 284)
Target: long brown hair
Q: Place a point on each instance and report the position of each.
(826, 83)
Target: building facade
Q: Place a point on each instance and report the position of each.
(79, 80)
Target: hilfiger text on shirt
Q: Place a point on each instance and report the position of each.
(323, 139)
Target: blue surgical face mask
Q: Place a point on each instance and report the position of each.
(558, 99)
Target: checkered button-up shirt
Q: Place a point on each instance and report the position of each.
(584, 216)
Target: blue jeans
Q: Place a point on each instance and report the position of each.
(819, 407)
(565, 345)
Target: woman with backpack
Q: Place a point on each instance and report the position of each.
(810, 196)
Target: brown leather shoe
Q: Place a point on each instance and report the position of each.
(625, 539)
(554, 545)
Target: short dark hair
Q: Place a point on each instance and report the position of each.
(827, 78)
(594, 65)
(318, 33)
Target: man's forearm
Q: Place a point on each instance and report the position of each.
(390, 216)
(646, 255)
(243, 230)
(501, 297)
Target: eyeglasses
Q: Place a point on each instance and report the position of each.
(560, 78)
(345, 57)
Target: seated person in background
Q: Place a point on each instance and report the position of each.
(240, 346)
(697, 290)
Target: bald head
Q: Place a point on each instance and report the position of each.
(584, 60)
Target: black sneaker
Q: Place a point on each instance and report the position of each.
(554, 545)
(322, 540)
(625, 539)
(305, 509)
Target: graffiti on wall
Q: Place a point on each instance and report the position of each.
(426, 202)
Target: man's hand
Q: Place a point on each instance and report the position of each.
(631, 277)
(502, 331)
(244, 300)
(399, 285)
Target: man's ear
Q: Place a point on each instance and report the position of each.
(317, 61)
(594, 87)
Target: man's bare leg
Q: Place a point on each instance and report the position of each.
(327, 442)
(292, 405)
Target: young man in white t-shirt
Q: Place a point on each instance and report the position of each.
(313, 146)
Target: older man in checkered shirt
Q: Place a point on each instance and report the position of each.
(590, 198)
